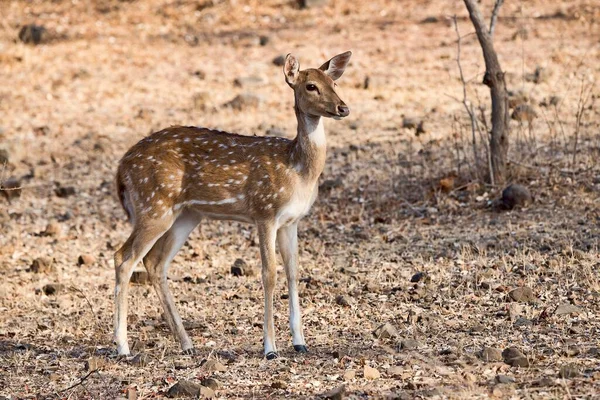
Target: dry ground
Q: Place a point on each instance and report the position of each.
(113, 71)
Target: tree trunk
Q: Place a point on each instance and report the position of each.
(494, 79)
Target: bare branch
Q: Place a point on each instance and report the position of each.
(581, 107)
(80, 381)
(465, 101)
(494, 18)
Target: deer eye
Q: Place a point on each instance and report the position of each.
(310, 87)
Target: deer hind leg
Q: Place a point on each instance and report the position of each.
(267, 234)
(144, 236)
(157, 263)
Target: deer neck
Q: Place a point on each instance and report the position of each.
(309, 147)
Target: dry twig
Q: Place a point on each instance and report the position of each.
(494, 18)
(468, 106)
(80, 381)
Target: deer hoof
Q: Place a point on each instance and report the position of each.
(271, 355)
(190, 352)
(300, 348)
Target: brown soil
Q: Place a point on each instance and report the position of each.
(392, 203)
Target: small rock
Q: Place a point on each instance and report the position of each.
(140, 360)
(264, 40)
(249, 81)
(199, 74)
(243, 101)
(551, 101)
(339, 353)
(538, 76)
(211, 383)
(239, 267)
(420, 129)
(515, 195)
(343, 300)
(335, 393)
(206, 392)
(65, 191)
(554, 100)
(349, 375)
(139, 277)
(409, 344)
(447, 184)
(214, 365)
(567, 309)
(572, 350)
(513, 357)
(86, 259)
(366, 82)
(279, 385)
(11, 188)
(330, 184)
(4, 157)
(430, 20)
(53, 229)
(410, 122)
(32, 34)
(279, 61)
(396, 371)
(504, 379)
(522, 295)
(521, 321)
(132, 393)
(568, 371)
(312, 3)
(594, 352)
(52, 289)
(201, 101)
(371, 373)
(524, 113)
(184, 388)
(491, 354)
(420, 276)
(477, 327)
(42, 265)
(95, 363)
(385, 331)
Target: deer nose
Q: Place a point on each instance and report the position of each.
(343, 110)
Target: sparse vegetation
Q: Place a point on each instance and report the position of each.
(417, 279)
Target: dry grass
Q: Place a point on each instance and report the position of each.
(117, 70)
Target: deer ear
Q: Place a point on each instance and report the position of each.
(335, 67)
(291, 69)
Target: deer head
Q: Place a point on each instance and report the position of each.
(314, 88)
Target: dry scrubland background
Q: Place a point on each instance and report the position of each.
(392, 204)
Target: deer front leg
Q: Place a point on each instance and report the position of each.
(266, 235)
(287, 238)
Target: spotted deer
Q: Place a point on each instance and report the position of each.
(175, 177)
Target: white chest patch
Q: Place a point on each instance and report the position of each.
(317, 134)
(298, 206)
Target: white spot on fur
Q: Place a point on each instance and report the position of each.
(204, 202)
